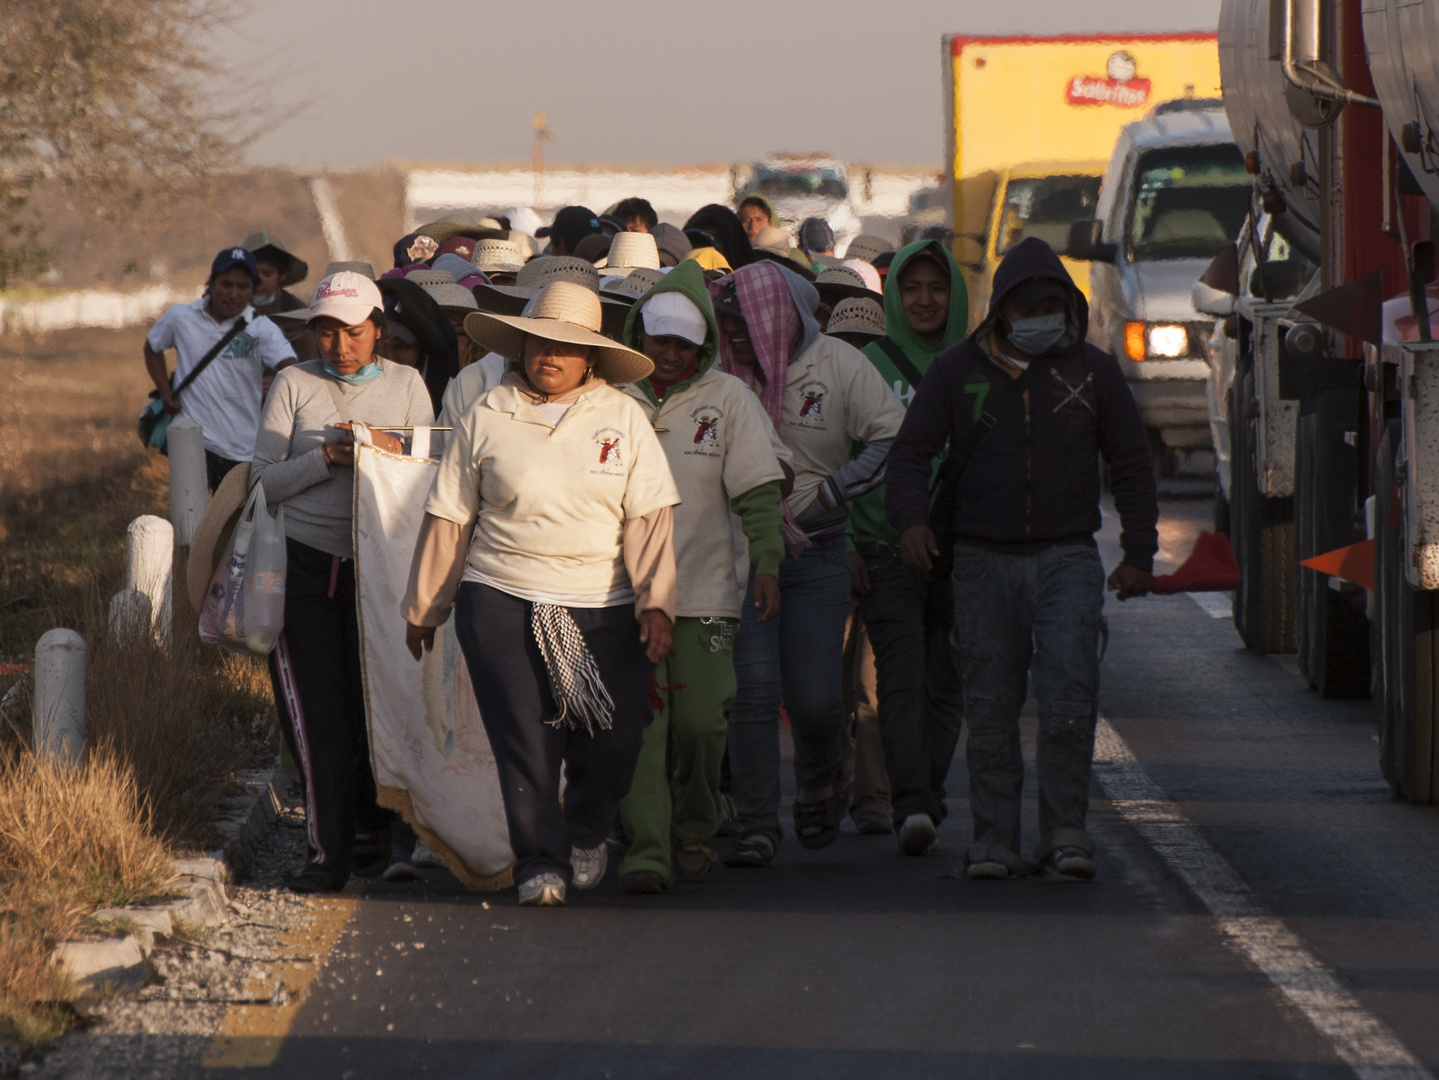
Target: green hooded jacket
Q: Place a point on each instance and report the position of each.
(867, 523)
(688, 278)
(759, 508)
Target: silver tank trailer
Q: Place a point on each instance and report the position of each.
(1401, 42)
(1259, 115)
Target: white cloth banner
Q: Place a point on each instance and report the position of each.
(432, 760)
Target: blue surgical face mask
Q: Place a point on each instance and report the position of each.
(367, 373)
(262, 301)
(1038, 335)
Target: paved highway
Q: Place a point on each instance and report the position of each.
(1262, 909)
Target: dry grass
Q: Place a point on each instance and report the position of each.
(165, 733)
(71, 840)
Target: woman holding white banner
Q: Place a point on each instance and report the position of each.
(305, 455)
(550, 530)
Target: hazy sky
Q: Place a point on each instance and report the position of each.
(632, 80)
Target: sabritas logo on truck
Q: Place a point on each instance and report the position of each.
(1120, 86)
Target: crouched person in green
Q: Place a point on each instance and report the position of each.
(717, 438)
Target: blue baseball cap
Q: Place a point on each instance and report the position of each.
(233, 257)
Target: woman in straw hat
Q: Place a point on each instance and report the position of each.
(717, 439)
(305, 456)
(549, 529)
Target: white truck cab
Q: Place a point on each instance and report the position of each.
(1176, 193)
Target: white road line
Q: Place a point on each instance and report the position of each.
(1217, 605)
(1360, 1039)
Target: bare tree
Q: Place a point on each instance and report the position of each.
(117, 100)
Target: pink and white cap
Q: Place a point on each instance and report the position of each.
(345, 296)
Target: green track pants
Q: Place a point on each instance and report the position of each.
(660, 809)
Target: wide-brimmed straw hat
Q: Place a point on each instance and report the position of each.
(632, 286)
(499, 256)
(857, 315)
(212, 535)
(631, 251)
(561, 311)
(262, 245)
(534, 276)
(867, 247)
(444, 290)
(353, 266)
(452, 225)
(838, 283)
(773, 238)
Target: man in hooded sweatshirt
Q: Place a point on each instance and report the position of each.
(716, 437)
(907, 612)
(1043, 407)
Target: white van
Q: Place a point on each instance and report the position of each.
(1175, 193)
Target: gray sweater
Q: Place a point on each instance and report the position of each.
(300, 417)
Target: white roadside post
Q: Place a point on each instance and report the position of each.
(189, 496)
(130, 616)
(150, 570)
(59, 707)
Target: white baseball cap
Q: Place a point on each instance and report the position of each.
(673, 314)
(346, 296)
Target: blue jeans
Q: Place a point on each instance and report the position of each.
(798, 658)
(1015, 616)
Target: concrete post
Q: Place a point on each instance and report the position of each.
(130, 617)
(59, 709)
(150, 569)
(189, 486)
(189, 496)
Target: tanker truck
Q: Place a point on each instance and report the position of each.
(1330, 431)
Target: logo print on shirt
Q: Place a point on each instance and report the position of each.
(706, 438)
(608, 442)
(811, 405)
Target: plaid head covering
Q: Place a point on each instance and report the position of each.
(774, 326)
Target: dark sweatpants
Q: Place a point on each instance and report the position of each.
(315, 670)
(216, 468)
(512, 689)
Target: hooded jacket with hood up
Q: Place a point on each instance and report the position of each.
(717, 439)
(1033, 480)
(867, 523)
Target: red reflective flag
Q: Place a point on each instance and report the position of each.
(1210, 568)
(1353, 563)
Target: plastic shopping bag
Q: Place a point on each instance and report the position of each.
(245, 607)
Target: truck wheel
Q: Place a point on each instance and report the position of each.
(1407, 701)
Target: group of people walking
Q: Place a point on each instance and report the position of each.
(678, 506)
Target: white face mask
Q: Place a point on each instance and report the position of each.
(1038, 335)
(261, 301)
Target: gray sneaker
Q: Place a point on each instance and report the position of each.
(589, 865)
(543, 890)
(423, 856)
(917, 835)
(1073, 862)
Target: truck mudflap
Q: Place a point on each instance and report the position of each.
(1331, 625)
(1261, 493)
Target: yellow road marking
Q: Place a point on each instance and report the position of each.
(250, 1036)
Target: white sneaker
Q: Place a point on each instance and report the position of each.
(589, 865)
(917, 835)
(543, 890)
(423, 856)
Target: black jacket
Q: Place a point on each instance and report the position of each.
(1034, 479)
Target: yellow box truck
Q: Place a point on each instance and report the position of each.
(1030, 125)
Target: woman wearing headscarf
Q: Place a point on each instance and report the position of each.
(550, 530)
(716, 437)
(908, 614)
(305, 456)
(722, 225)
(822, 396)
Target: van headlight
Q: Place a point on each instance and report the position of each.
(1155, 341)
